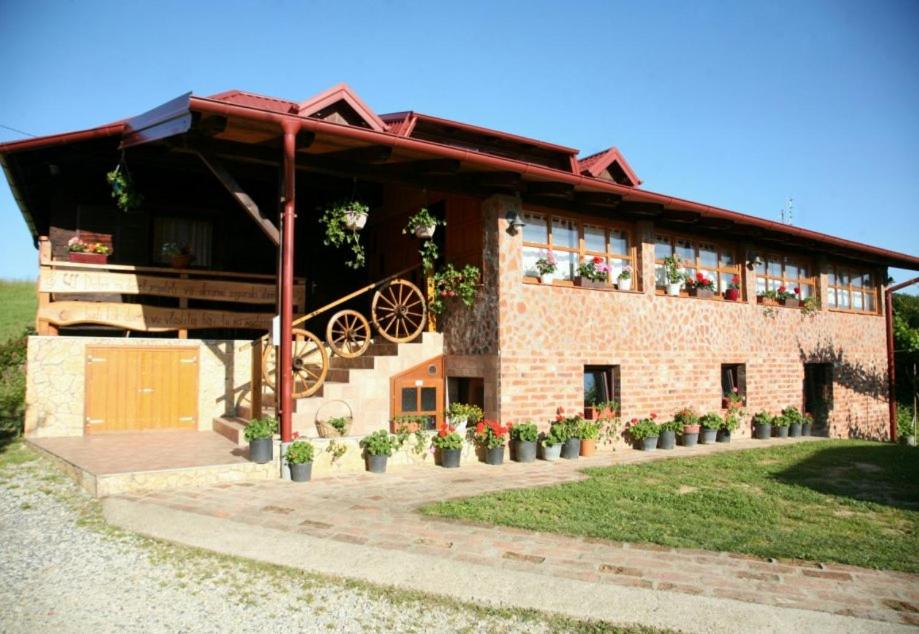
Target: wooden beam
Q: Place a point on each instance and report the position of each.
(549, 188)
(366, 154)
(502, 180)
(427, 166)
(647, 210)
(716, 223)
(245, 201)
(600, 199)
(211, 126)
(683, 216)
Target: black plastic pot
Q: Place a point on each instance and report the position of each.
(261, 450)
(552, 453)
(301, 472)
(762, 431)
(525, 450)
(724, 435)
(794, 430)
(805, 429)
(781, 431)
(571, 449)
(649, 444)
(690, 439)
(709, 436)
(450, 458)
(667, 439)
(495, 455)
(376, 464)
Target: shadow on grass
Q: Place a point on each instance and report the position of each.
(881, 473)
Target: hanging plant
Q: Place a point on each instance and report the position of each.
(450, 282)
(422, 224)
(126, 198)
(342, 223)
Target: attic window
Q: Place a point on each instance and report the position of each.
(341, 112)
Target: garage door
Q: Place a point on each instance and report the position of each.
(141, 388)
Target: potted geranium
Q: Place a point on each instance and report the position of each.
(546, 267)
(688, 418)
(592, 273)
(710, 424)
(732, 292)
(179, 256)
(572, 447)
(524, 436)
(450, 444)
(300, 460)
(590, 431)
(807, 424)
(461, 414)
(788, 298)
(730, 422)
(674, 275)
(733, 399)
(780, 426)
(452, 283)
(644, 432)
(492, 436)
(668, 432)
(423, 224)
(700, 286)
(259, 433)
(551, 442)
(377, 446)
(624, 279)
(87, 253)
(762, 425)
(795, 419)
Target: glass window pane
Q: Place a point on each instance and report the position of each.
(567, 263)
(842, 277)
(564, 233)
(409, 399)
(536, 229)
(870, 302)
(659, 276)
(791, 271)
(708, 256)
(530, 255)
(618, 242)
(615, 268)
(725, 280)
(775, 267)
(428, 399)
(831, 297)
(804, 270)
(857, 281)
(760, 285)
(662, 248)
(594, 239)
(831, 278)
(686, 252)
(710, 275)
(761, 266)
(842, 296)
(857, 300)
(805, 291)
(727, 258)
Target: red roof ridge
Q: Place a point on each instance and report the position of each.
(342, 92)
(596, 163)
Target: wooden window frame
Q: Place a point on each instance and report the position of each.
(719, 246)
(833, 288)
(788, 282)
(580, 223)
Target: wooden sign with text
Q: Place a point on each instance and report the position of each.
(149, 318)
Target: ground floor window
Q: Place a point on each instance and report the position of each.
(187, 235)
(818, 390)
(733, 383)
(601, 385)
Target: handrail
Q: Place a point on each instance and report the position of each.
(132, 268)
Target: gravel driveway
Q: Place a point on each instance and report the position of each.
(63, 570)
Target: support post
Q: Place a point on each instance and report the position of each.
(285, 376)
(891, 365)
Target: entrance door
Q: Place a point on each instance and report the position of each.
(818, 390)
(140, 388)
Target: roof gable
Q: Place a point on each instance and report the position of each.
(339, 104)
(609, 165)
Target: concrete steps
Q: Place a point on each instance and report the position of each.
(233, 428)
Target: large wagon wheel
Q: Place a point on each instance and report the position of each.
(398, 311)
(348, 334)
(309, 363)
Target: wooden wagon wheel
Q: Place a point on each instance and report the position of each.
(309, 363)
(348, 334)
(399, 311)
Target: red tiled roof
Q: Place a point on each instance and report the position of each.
(594, 164)
(253, 100)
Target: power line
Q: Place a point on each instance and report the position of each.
(17, 131)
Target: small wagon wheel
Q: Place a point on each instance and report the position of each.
(399, 311)
(348, 334)
(309, 364)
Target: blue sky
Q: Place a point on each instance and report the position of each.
(735, 104)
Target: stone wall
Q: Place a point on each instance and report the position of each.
(55, 388)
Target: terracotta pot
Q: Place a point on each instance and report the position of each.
(588, 447)
(87, 258)
(791, 302)
(583, 282)
(732, 294)
(181, 261)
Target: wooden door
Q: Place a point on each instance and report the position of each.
(419, 391)
(140, 388)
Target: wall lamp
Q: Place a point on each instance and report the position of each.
(515, 221)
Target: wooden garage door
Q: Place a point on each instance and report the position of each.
(140, 388)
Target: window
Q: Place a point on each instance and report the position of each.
(183, 232)
(716, 261)
(774, 271)
(601, 384)
(818, 391)
(573, 242)
(468, 390)
(852, 290)
(733, 377)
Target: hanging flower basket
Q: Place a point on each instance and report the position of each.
(425, 232)
(355, 219)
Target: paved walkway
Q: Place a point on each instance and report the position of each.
(345, 523)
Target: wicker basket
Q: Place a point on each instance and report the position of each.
(326, 430)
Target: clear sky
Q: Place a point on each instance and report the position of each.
(735, 104)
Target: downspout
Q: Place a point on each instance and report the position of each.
(285, 369)
(891, 367)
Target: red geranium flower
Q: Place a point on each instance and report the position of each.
(797, 290)
(479, 428)
(653, 415)
(700, 277)
(443, 432)
(634, 420)
(781, 289)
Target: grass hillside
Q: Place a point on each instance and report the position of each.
(19, 304)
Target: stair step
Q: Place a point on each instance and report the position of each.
(359, 363)
(337, 375)
(383, 349)
(232, 428)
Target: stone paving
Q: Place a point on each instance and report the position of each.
(381, 512)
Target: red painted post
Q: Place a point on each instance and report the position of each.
(285, 375)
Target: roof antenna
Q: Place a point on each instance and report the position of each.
(786, 214)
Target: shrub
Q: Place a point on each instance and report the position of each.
(644, 428)
(905, 426)
(259, 428)
(491, 434)
(589, 429)
(339, 423)
(792, 415)
(686, 416)
(711, 421)
(524, 432)
(556, 435)
(446, 438)
(731, 420)
(781, 421)
(762, 418)
(300, 452)
(473, 413)
(671, 425)
(379, 443)
(13, 383)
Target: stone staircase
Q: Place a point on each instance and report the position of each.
(361, 385)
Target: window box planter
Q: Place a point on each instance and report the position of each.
(766, 301)
(726, 402)
(450, 458)
(667, 439)
(732, 294)
(301, 472)
(596, 413)
(701, 293)
(571, 449)
(87, 258)
(791, 302)
(181, 261)
(583, 282)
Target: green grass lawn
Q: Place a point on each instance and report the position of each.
(19, 304)
(851, 502)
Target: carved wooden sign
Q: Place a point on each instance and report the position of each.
(85, 282)
(149, 318)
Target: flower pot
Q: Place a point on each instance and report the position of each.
(667, 439)
(709, 436)
(180, 261)
(494, 455)
(690, 435)
(625, 284)
(791, 302)
(261, 450)
(525, 450)
(724, 435)
(805, 429)
(781, 431)
(584, 282)
(87, 258)
(794, 430)
(673, 288)
(425, 232)
(355, 220)
(571, 449)
(547, 278)
(649, 444)
(301, 472)
(762, 431)
(702, 293)
(732, 294)
(588, 447)
(450, 458)
(551, 453)
(376, 464)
